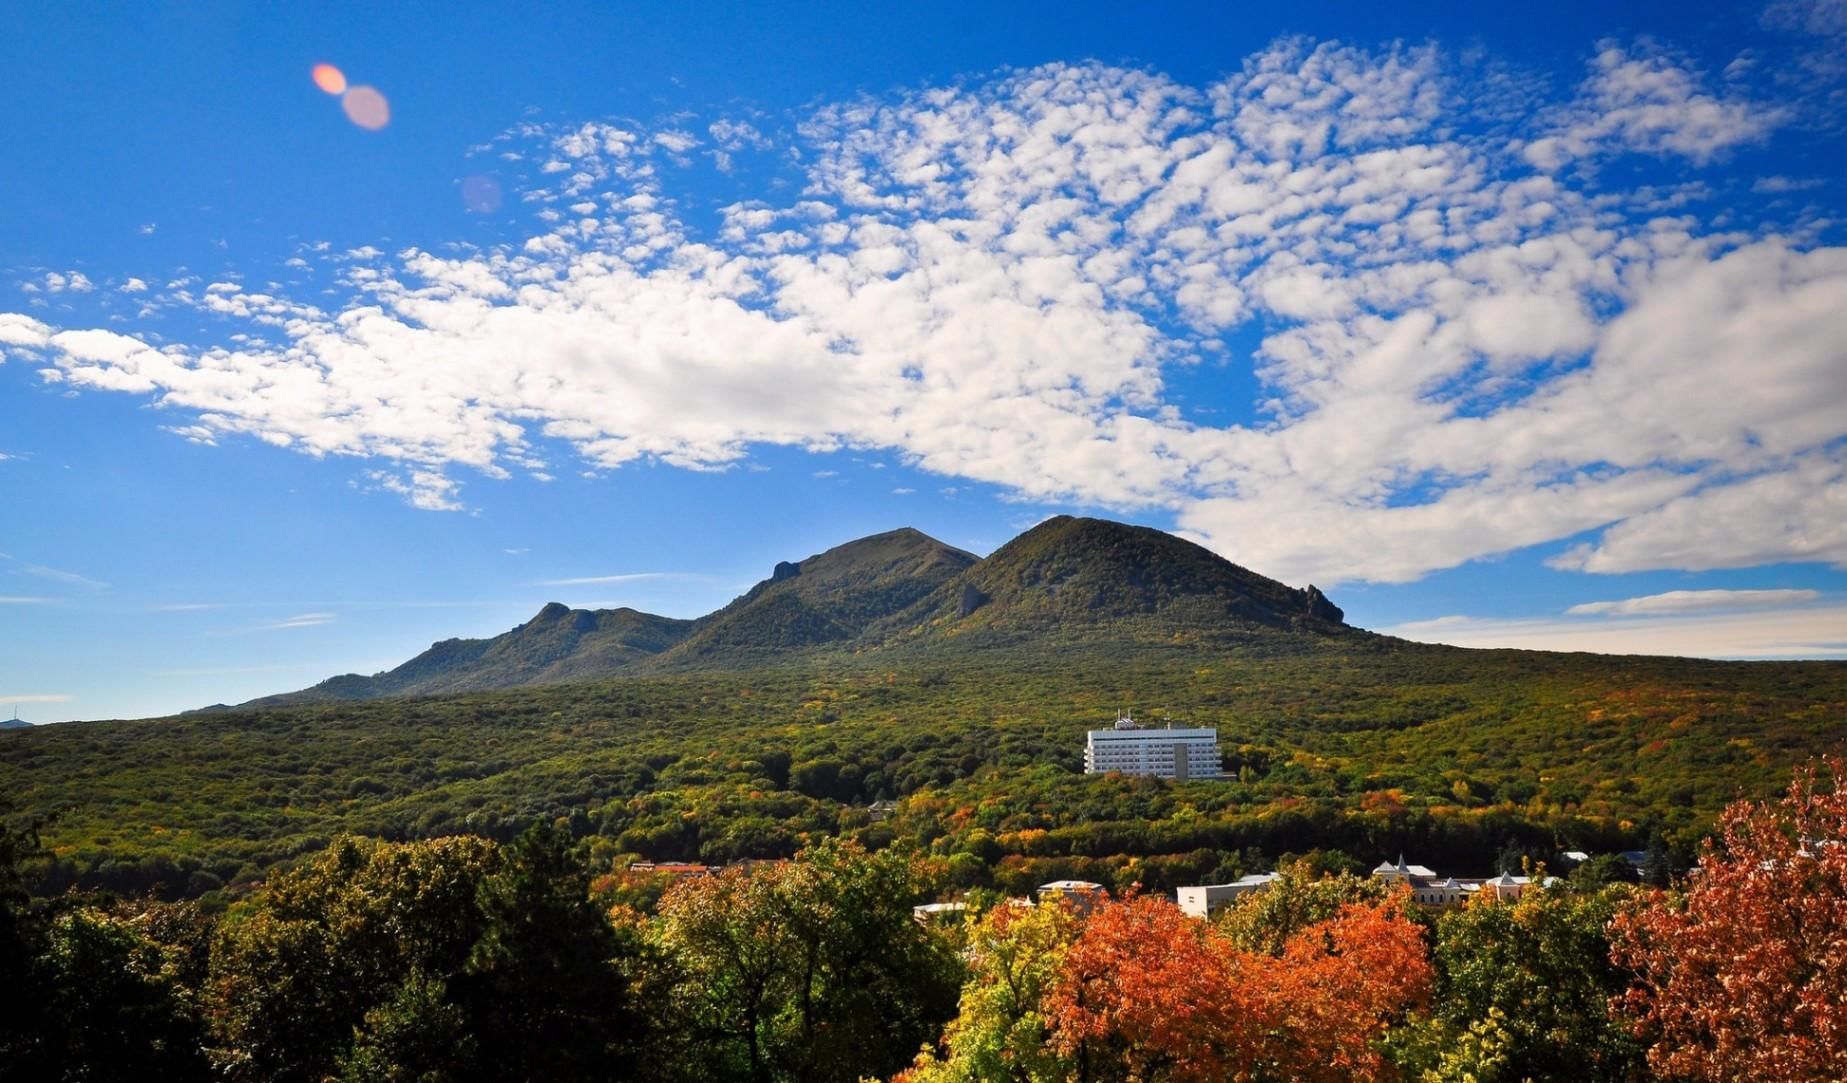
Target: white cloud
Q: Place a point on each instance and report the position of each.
(994, 282)
(1695, 601)
(1813, 632)
(430, 490)
(732, 134)
(71, 281)
(1778, 185)
(133, 285)
(1793, 514)
(20, 599)
(21, 330)
(56, 697)
(299, 620)
(1644, 101)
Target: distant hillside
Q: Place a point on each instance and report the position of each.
(14, 724)
(559, 644)
(825, 600)
(1071, 578)
(1065, 582)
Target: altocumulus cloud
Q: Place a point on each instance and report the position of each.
(1469, 342)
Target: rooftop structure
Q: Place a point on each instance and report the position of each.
(938, 911)
(1200, 901)
(1068, 887)
(672, 868)
(1081, 894)
(1169, 752)
(1428, 889)
(1402, 871)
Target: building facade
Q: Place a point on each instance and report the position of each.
(1428, 889)
(1169, 752)
(1201, 900)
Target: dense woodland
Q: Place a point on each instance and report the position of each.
(465, 959)
(1453, 757)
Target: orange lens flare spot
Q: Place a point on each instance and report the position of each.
(367, 108)
(329, 78)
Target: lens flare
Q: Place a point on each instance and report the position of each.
(367, 108)
(481, 195)
(329, 78)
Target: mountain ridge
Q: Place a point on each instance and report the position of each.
(1065, 580)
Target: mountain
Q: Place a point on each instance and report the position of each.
(14, 724)
(558, 644)
(1067, 581)
(827, 599)
(1088, 579)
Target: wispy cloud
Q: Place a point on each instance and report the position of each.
(186, 607)
(1696, 601)
(19, 599)
(599, 580)
(58, 575)
(300, 620)
(1804, 632)
(55, 697)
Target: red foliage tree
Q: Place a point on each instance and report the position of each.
(1338, 985)
(1150, 994)
(1744, 975)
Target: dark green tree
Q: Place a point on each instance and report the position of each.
(418, 1036)
(297, 969)
(812, 970)
(547, 994)
(1538, 972)
(22, 1025)
(115, 1008)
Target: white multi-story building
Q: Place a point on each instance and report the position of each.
(1164, 753)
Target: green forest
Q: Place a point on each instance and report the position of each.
(463, 959)
(1358, 750)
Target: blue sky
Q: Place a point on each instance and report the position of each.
(1503, 331)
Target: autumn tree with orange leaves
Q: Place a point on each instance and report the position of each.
(1744, 974)
(1150, 994)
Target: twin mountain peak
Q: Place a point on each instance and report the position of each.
(1066, 583)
